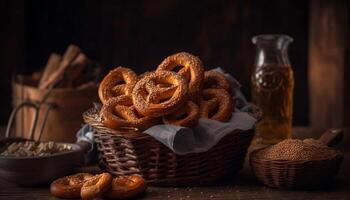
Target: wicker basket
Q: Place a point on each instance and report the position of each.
(126, 153)
(294, 174)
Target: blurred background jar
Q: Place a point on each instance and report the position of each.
(272, 87)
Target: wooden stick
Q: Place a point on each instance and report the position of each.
(52, 65)
(75, 70)
(71, 53)
(83, 86)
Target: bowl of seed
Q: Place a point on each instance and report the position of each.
(29, 163)
(294, 163)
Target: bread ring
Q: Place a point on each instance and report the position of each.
(119, 81)
(144, 74)
(119, 113)
(208, 107)
(187, 115)
(126, 187)
(159, 93)
(96, 186)
(217, 104)
(69, 187)
(216, 80)
(191, 69)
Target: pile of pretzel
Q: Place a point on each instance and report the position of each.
(88, 186)
(178, 92)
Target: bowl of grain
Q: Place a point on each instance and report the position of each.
(29, 163)
(295, 163)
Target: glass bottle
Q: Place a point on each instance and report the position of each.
(272, 87)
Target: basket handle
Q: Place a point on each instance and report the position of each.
(43, 123)
(14, 113)
(332, 137)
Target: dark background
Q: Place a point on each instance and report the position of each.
(139, 34)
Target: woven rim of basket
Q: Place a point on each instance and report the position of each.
(290, 163)
(92, 117)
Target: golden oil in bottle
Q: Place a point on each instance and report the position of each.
(272, 91)
(272, 88)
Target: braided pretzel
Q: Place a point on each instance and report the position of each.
(126, 187)
(217, 104)
(159, 93)
(69, 186)
(187, 115)
(215, 79)
(96, 186)
(119, 113)
(191, 69)
(120, 81)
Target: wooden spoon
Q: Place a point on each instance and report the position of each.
(332, 137)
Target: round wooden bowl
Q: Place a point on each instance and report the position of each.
(38, 170)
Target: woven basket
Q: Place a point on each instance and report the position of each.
(294, 174)
(126, 153)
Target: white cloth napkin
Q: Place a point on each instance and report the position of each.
(207, 132)
(203, 136)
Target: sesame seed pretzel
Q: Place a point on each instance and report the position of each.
(191, 68)
(216, 104)
(216, 80)
(187, 115)
(118, 82)
(69, 186)
(119, 113)
(159, 93)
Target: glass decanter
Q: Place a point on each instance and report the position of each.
(272, 87)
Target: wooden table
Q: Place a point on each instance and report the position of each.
(244, 186)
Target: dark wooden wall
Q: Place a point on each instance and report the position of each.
(11, 50)
(329, 67)
(139, 34)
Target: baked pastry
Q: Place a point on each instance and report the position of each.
(95, 186)
(69, 187)
(216, 80)
(188, 66)
(126, 187)
(144, 74)
(187, 115)
(118, 82)
(119, 113)
(159, 93)
(178, 93)
(216, 104)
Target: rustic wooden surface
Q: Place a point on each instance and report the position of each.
(243, 187)
(328, 78)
